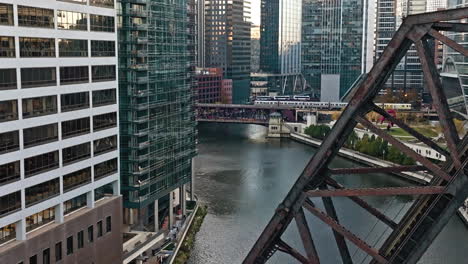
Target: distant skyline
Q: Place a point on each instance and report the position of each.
(256, 12)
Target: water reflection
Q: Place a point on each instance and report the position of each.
(242, 177)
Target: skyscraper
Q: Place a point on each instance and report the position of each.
(337, 41)
(455, 72)
(157, 117)
(227, 43)
(280, 40)
(59, 154)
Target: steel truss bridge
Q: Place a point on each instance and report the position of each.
(242, 114)
(434, 203)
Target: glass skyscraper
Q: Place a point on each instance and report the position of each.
(156, 106)
(280, 41)
(337, 37)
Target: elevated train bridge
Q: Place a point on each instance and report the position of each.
(317, 186)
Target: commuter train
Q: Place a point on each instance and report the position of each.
(324, 105)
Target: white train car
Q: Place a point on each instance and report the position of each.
(325, 105)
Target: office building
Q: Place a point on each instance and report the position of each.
(59, 154)
(156, 105)
(280, 42)
(227, 43)
(455, 72)
(337, 41)
(208, 82)
(255, 48)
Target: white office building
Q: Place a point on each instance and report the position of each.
(59, 166)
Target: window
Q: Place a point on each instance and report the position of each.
(39, 219)
(104, 97)
(104, 121)
(104, 145)
(105, 168)
(77, 178)
(41, 163)
(70, 245)
(7, 47)
(75, 127)
(102, 23)
(103, 73)
(102, 48)
(37, 77)
(7, 233)
(71, 75)
(33, 259)
(102, 3)
(8, 110)
(75, 153)
(73, 48)
(74, 204)
(99, 229)
(37, 47)
(58, 251)
(72, 20)
(10, 203)
(40, 135)
(10, 172)
(8, 79)
(80, 238)
(106, 190)
(39, 106)
(90, 234)
(74, 101)
(9, 141)
(75, 1)
(35, 17)
(42, 191)
(6, 14)
(108, 224)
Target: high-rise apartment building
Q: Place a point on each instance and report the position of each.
(280, 41)
(455, 71)
(156, 105)
(337, 41)
(227, 43)
(59, 154)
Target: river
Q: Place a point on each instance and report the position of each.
(242, 177)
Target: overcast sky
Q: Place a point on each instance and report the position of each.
(256, 12)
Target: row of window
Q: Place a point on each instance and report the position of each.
(39, 77)
(11, 203)
(43, 191)
(47, 105)
(44, 18)
(47, 161)
(9, 141)
(80, 242)
(100, 3)
(45, 47)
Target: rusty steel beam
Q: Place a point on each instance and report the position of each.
(339, 238)
(306, 237)
(344, 232)
(439, 99)
(450, 26)
(369, 208)
(284, 247)
(403, 148)
(389, 191)
(314, 174)
(410, 130)
(449, 42)
(367, 170)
